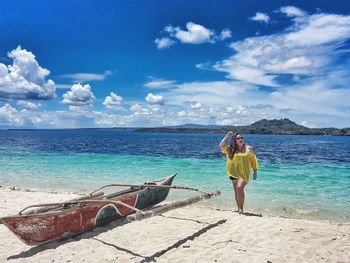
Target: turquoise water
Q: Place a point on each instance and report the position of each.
(286, 186)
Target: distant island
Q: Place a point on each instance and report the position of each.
(275, 127)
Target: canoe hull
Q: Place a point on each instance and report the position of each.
(36, 229)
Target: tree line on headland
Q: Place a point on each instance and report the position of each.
(275, 127)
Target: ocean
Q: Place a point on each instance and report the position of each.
(299, 176)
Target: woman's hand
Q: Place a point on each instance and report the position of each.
(229, 133)
(255, 175)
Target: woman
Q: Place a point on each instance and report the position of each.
(240, 159)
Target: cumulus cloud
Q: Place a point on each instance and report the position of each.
(79, 95)
(306, 48)
(25, 78)
(225, 34)
(164, 42)
(194, 34)
(8, 116)
(292, 11)
(138, 110)
(239, 102)
(196, 105)
(260, 17)
(11, 117)
(113, 101)
(84, 77)
(312, 98)
(159, 83)
(28, 105)
(181, 114)
(154, 99)
(135, 107)
(222, 100)
(320, 30)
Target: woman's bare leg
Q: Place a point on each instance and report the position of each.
(234, 184)
(240, 194)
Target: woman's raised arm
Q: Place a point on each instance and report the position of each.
(222, 143)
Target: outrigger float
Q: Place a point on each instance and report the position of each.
(37, 224)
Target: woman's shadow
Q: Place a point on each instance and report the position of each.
(252, 214)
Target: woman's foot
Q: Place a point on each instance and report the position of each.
(240, 211)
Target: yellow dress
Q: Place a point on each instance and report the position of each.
(240, 165)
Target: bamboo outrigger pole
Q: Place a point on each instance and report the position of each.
(150, 186)
(165, 208)
(62, 204)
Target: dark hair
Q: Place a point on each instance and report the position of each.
(233, 145)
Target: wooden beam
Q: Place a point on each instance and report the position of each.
(165, 208)
(149, 185)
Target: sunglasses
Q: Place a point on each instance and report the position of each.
(239, 138)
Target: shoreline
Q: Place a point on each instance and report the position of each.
(205, 234)
(285, 212)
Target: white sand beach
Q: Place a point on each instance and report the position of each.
(192, 234)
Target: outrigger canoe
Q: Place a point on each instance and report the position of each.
(37, 224)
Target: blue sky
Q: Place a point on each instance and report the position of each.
(70, 64)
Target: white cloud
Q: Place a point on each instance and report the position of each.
(84, 77)
(3, 70)
(28, 105)
(221, 100)
(260, 17)
(306, 49)
(313, 98)
(211, 93)
(225, 34)
(240, 103)
(113, 101)
(293, 65)
(226, 122)
(181, 113)
(307, 124)
(79, 95)
(61, 119)
(25, 78)
(9, 116)
(196, 105)
(138, 110)
(135, 107)
(159, 83)
(109, 120)
(154, 99)
(229, 109)
(320, 29)
(164, 42)
(292, 11)
(242, 110)
(194, 34)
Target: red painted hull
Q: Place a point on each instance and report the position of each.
(34, 229)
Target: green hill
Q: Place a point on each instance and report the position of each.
(280, 127)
